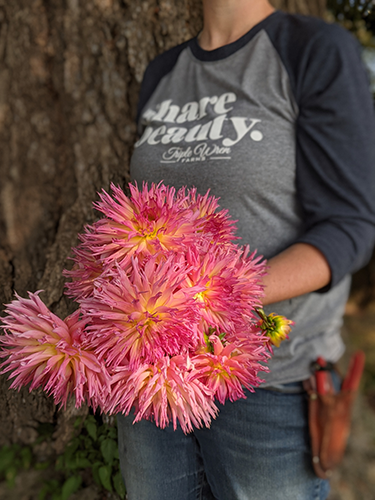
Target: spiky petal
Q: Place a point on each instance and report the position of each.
(215, 225)
(231, 282)
(145, 314)
(41, 349)
(151, 221)
(165, 392)
(87, 267)
(231, 367)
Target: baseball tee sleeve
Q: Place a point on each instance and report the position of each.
(335, 154)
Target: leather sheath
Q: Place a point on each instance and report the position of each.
(329, 425)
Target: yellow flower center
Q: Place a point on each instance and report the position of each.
(199, 296)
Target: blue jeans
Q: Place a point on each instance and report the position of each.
(256, 449)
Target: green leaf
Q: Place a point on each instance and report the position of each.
(10, 476)
(95, 472)
(105, 473)
(119, 485)
(90, 418)
(92, 430)
(108, 448)
(43, 492)
(87, 443)
(70, 451)
(7, 456)
(77, 422)
(94, 456)
(60, 463)
(71, 463)
(112, 433)
(42, 465)
(82, 463)
(70, 486)
(49, 487)
(26, 457)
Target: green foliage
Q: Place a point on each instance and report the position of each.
(93, 451)
(357, 16)
(119, 484)
(12, 460)
(91, 456)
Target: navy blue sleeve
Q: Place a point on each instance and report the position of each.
(336, 153)
(335, 135)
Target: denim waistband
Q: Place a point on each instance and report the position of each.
(290, 388)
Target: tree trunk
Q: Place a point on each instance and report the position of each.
(307, 7)
(69, 80)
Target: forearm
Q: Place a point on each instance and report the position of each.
(299, 269)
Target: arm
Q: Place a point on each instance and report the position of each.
(336, 154)
(299, 269)
(335, 166)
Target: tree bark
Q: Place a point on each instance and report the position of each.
(69, 79)
(306, 7)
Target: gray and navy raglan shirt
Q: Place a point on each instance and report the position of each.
(280, 125)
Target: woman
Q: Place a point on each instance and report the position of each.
(271, 112)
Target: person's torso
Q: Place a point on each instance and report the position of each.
(228, 124)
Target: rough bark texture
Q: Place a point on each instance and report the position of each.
(306, 7)
(69, 80)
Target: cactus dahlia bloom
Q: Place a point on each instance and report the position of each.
(166, 391)
(216, 226)
(145, 314)
(228, 277)
(151, 221)
(231, 366)
(155, 220)
(47, 352)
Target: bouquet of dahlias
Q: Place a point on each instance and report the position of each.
(169, 314)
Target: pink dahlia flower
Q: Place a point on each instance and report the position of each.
(151, 221)
(231, 283)
(231, 367)
(165, 392)
(215, 226)
(145, 314)
(47, 352)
